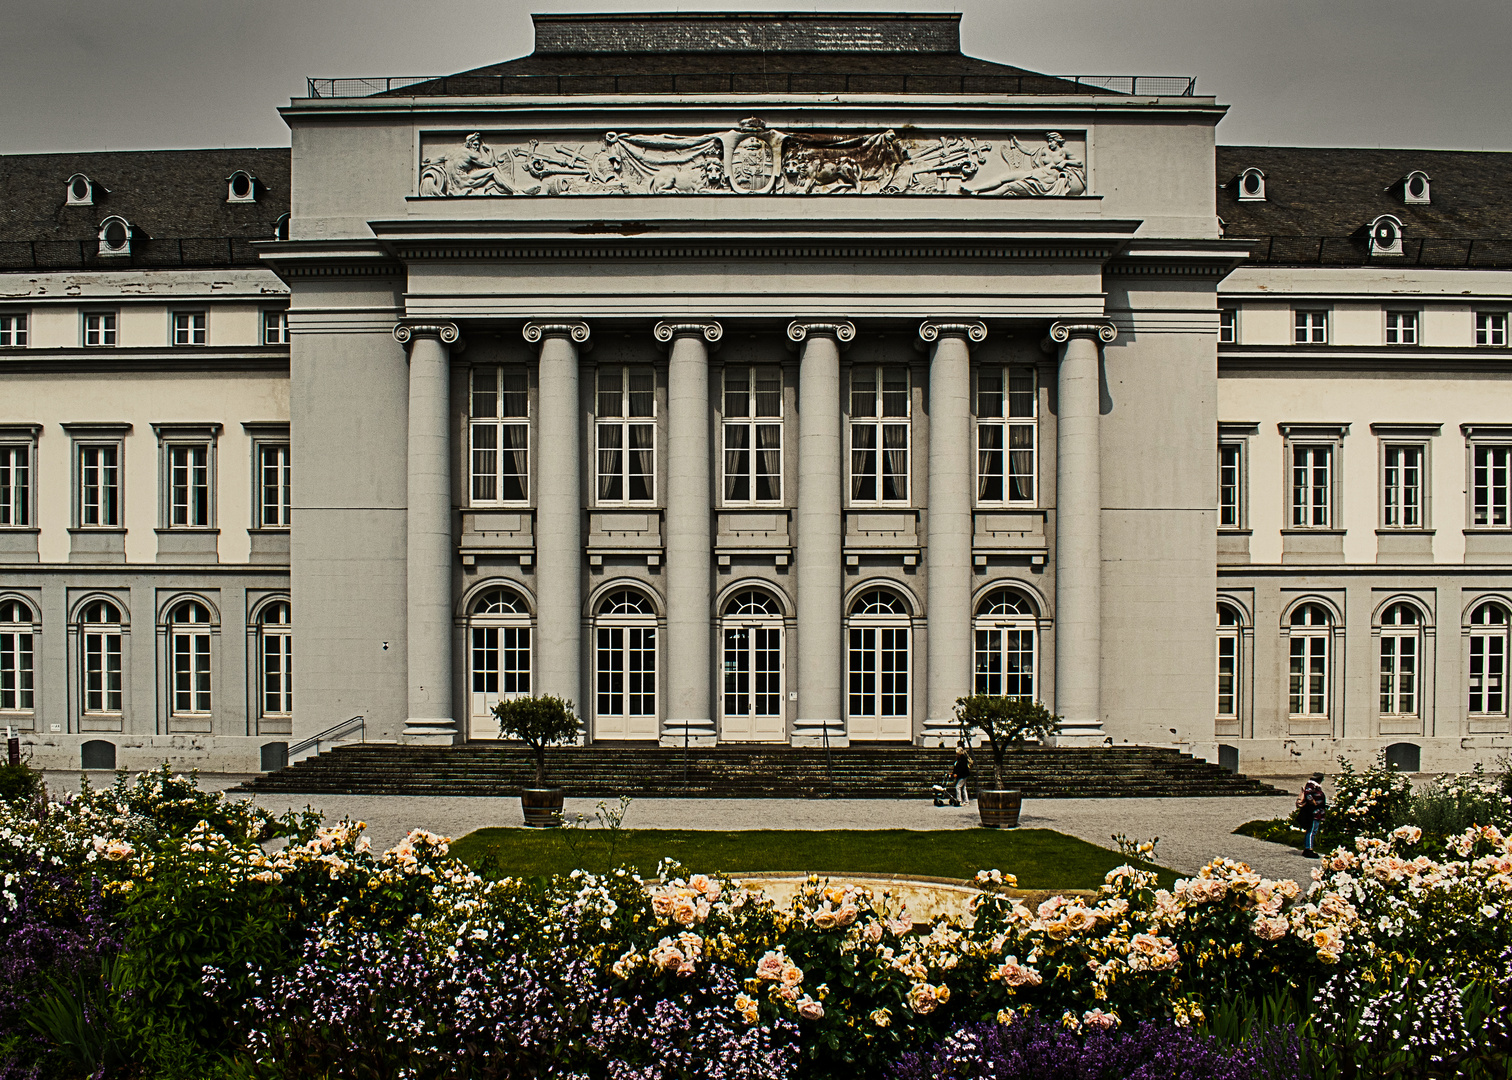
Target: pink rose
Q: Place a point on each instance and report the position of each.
(810, 1009)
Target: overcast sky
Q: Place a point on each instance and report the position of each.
(138, 74)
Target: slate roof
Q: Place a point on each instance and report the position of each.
(175, 201)
(1318, 202)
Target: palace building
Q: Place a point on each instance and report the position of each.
(773, 377)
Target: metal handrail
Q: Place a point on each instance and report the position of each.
(716, 82)
(331, 734)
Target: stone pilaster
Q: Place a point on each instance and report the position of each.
(429, 550)
(820, 576)
(559, 513)
(952, 477)
(690, 496)
(1078, 529)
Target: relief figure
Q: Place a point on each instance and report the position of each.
(1053, 171)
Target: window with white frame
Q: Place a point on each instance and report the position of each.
(13, 330)
(99, 329)
(188, 487)
(1230, 632)
(1402, 478)
(500, 434)
(879, 433)
(275, 327)
(1310, 646)
(15, 484)
(100, 639)
(1488, 660)
(1311, 327)
(189, 642)
(625, 667)
(190, 328)
(1004, 645)
(1491, 328)
(1312, 486)
(877, 635)
(99, 485)
(1401, 328)
(753, 434)
(1230, 481)
(499, 633)
(275, 492)
(1401, 648)
(17, 658)
(1007, 407)
(751, 665)
(275, 633)
(626, 433)
(1228, 326)
(1490, 485)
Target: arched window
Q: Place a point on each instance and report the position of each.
(100, 646)
(80, 190)
(241, 187)
(877, 664)
(189, 658)
(1230, 625)
(276, 633)
(1308, 681)
(17, 677)
(1401, 647)
(751, 643)
(499, 632)
(1488, 660)
(1005, 645)
(115, 236)
(625, 667)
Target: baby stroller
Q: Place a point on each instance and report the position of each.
(944, 792)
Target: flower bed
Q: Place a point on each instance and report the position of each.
(176, 934)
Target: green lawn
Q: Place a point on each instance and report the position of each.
(1040, 858)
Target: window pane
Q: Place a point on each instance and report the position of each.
(990, 462)
(642, 478)
(768, 391)
(990, 392)
(611, 484)
(15, 486)
(1021, 392)
(863, 462)
(1020, 463)
(611, 382)
(768, 462)
(485, 392)
(737, 462)
(642, 391)
(863, 391)
(1228, 485)
(514, 463)
(737, 392)
(895, 461)
(515, 395)
(895, 391)
(485, 462)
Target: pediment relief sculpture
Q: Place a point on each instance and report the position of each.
(753, 159)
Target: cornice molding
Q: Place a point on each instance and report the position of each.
(710, 330)
(536, 332)
(714, 250)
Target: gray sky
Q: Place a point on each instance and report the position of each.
(138, 74)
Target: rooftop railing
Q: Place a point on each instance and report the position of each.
(706, 82)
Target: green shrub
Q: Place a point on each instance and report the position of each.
(20, 785)
(1370, 803)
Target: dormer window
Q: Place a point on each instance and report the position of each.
(1252, 186)
(281, 227)
(1386, 236)
(241, 187)
(115, 236)
(80, 189)
(1415, 189)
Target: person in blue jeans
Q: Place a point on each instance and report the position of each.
(1312, 806)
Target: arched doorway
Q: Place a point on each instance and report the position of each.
(878, 663)
(752, 668)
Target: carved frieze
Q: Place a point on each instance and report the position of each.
(753, 159)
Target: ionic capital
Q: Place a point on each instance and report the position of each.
(932, 330)
(842, 330)
(447, 332)
(1102, 329)
(708, 329)
(536, 332)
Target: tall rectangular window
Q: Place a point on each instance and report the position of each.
(1007, 434)
(278, 671)
(1308, 679)
(1311, 328)
(1228, 674)
(191, 671)
(17, 673)
(1491, 487)
(500, 427)
(1228, 326)
(626, 433)
(99, 328)
(188, 486)
(100, 486)
(102, 670)
(879, 434)
(275, 499)
(1401, 328)
(1402, 487)
(1491, 328)
(190, 328)
(1399, 666)
(1230, 464)
(15, 486)
(12, 331)
(275, 327)
(752, 434)
(1311, 488)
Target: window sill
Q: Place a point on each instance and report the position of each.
(96, 530)
(15, 530)
(189, 530)
(266, 530)
(1320, 531)
(1487, 531)
(1389, 531)
(1222, 531)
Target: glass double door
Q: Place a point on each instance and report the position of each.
(752, 666)
(878, 692)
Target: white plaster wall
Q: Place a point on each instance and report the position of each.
(1265, 323)
(1356, 323)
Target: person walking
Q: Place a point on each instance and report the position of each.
(1312, 806)
(960, 772)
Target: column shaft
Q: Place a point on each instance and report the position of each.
(689, 543)
(1078, 541)
(559, 525)
(951, 478)
(429, 548)
(820, 573)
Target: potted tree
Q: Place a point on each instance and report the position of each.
(1005, 721)
(538, 722)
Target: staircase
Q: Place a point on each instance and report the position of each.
(603, 770)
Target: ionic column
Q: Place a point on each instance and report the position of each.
(952, 477)
(428, 533)
(820, 575)
(559, 514)
(1078, 529)
(689, 540)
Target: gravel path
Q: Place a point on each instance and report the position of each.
(1191, 831)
